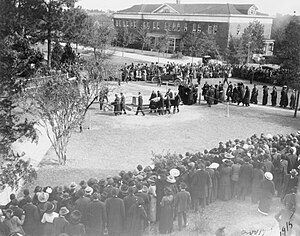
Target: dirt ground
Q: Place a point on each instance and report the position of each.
(109, 144)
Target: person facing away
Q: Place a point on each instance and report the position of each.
(140, 104)
(182, 203)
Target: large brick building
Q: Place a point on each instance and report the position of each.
(221, 20)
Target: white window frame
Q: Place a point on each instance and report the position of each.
(194, 27)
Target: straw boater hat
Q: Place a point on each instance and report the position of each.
(269, 176)
(73, 185)
(50, 207)
(88, 190)
(174, 172)
(171, 179)
(228, 156)
(214, 165)
(63, 211)
(42, 197)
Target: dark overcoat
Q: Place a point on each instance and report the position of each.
(115, 211)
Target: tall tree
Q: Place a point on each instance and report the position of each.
(143, 38)
(61, 103)
(124, 38)
(98, 32)
(73, 24)
(18, 62)
(253, 38)
(200, 44)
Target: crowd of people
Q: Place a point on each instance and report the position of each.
(143, 72)
(265, 74)
(241, 94)
(262, 167)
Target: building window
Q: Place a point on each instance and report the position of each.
(131, 24)
(194, 27)
(124, 23)
(154, 25)
(148, 25)
(215, 29)
(185, 27)
(199, 28)
(117, 23)
(238, 29)
(174, 26)
(157, 25)
(210, 29)
(144, 24)
(178, 26)
(127, 23)
(166, 25)
(134, 24)
(170, 26)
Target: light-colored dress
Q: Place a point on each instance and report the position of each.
(152, 210)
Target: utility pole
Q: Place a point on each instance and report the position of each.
(297, 103)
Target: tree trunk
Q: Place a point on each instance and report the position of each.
(49, 48)
(297, 104)
(95, 54)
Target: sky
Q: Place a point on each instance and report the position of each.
(270, 7)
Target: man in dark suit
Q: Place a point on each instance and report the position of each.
(96, 216)
(245, 178)
(32, 218)
(81, 205)
(115, 211)
(23, 201)
(182, 203)
(140, 104)
(200, 182)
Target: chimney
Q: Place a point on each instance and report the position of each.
(177, 1)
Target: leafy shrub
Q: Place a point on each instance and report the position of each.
(166, 161)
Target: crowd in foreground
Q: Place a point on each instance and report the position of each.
(262, 167)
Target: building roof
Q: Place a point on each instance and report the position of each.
(210, 9)
(144, 8)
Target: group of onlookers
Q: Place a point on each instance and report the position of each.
(143, 72)
(241, 94)
(262, 73)
(261, 167)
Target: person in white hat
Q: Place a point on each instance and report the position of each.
(267, 191)
(60, 222)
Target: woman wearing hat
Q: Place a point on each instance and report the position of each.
(267, 191)
(47, 220)
(153, 197)
(166, 212)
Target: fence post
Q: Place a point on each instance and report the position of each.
(227, 109)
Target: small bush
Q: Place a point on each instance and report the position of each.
(166, 161)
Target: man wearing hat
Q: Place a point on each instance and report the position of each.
(96, 217)
(245, 178)
(200, 182)
(32, 218)
(182, 203)
(60, 223)
(115, 211)
(81, 205)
